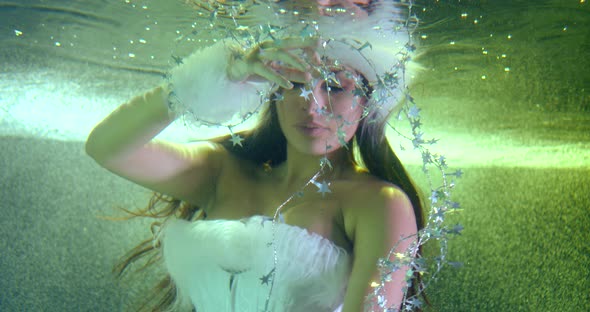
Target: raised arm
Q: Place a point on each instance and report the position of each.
(124, 144)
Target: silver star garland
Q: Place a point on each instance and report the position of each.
(441, 203)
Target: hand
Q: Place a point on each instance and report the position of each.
(271, 60)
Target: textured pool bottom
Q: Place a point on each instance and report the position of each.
(522, 246)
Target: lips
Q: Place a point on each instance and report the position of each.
(311, 128)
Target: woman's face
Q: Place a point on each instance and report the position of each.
(318, 117)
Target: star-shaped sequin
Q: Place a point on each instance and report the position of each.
(305, 93)
(278, 97)
(236, 139)
(414, 112)
(458, 173)
(413, 303)
(323, 187)
(177, 59)
(265, 279)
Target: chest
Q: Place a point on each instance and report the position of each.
(240, 196)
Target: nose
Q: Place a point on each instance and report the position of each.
(318, 101)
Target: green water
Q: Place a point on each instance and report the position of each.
(504, 86)
(507, 82)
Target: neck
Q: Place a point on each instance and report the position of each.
(299, 168)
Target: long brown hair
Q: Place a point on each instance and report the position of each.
(263, 144)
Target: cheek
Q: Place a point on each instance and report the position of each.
(282, 115)
(348, 120)
(288, 104)
(350, 113)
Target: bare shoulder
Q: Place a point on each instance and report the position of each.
(371, 202)
(366, 190)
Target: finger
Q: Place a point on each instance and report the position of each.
(284, 59)
(313, 55)
(290, 43)
(270, 75)
(295, 75)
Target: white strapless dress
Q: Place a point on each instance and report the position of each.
(228, 265)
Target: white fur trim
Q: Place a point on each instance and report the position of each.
(202, 92)
(373, 45)
(384, 35)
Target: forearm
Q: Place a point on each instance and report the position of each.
(131, 125)
(200, 91)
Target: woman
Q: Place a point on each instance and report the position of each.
(285, 217)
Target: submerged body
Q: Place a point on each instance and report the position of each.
(316, 236)
(361, 214)
(304, 233)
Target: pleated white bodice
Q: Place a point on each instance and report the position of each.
(229, 265)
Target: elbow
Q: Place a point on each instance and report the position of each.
(89, 149)
(92, 148)
(89, 146)
(98, 154)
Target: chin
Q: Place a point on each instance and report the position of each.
(312, 150)
(317, 148)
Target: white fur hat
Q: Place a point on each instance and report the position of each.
(378, 46)
(375, 45)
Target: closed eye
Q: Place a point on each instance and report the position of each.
(332, 88)
(297, 85)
